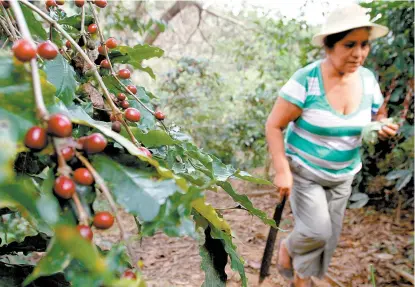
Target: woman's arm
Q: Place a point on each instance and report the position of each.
(282, 113)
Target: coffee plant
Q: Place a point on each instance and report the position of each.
(387, 175)
(75, 128)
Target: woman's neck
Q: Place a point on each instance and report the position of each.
(333, 72)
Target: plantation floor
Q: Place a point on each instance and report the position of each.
(368, 237)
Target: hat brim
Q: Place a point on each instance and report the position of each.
(377, 31)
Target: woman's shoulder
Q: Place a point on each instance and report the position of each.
(310, 69)
(367, 73)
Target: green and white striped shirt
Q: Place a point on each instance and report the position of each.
(323, 140)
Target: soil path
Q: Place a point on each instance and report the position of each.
(368, 237)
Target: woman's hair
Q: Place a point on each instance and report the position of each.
(330, 40)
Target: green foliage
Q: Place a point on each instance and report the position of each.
(35, 26)
(160, 191)
(224, 109)
(135, 56)
(389, 165)
(62, 75)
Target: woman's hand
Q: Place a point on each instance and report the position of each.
(388, 131)
(283, 180)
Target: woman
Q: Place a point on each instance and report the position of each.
(326, 103)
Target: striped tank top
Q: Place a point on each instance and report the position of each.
(323, 140)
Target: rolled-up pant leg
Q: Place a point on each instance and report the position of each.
(313, 226)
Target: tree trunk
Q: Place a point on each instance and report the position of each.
(177, 7)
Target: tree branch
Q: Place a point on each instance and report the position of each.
(83, 25)
(197, 27)
(6, 30)
(9, 22)
(177, 7)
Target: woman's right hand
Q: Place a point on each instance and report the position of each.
(283, 180)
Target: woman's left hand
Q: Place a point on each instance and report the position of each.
(388, 131)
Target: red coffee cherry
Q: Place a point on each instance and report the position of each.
(101, 3)
(79, 3)
(129, 274)
(60, 125)
(83, 176)
(132, 89)
(159, 115)
(85, 231)
(105, 64)
(103, 220)
(24, 50)
(111, 43)
(121, 96)
(125, 104)
(64, 187)
(101, 50)
(93, 28)
(47, 50)
(132, 115)
(95, 143)
(36, 138)
(50, 3)
(124, 73)
(68, 153)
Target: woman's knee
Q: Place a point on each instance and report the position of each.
(322, 236)
(321, 233)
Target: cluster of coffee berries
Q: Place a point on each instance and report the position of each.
(64, 186)
(25, 50)
(102, 220)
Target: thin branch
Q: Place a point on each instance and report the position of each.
(83, 25)
(4, 27)
(206, 40)
(82, 215)
(197, 27)
(113, 73)
(41, 110)
(64, 169)
(74, 44)
(94, 13)
(9, 22)
(102, 186)
(101, 35)
(134, 96)
(5, 43)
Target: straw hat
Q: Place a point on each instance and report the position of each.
(346, 18)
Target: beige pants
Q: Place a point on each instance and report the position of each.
(318, 207)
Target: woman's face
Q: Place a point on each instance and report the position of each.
(350, 53)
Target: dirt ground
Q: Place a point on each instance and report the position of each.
(368, 237)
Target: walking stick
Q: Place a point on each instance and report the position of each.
(272, 236)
